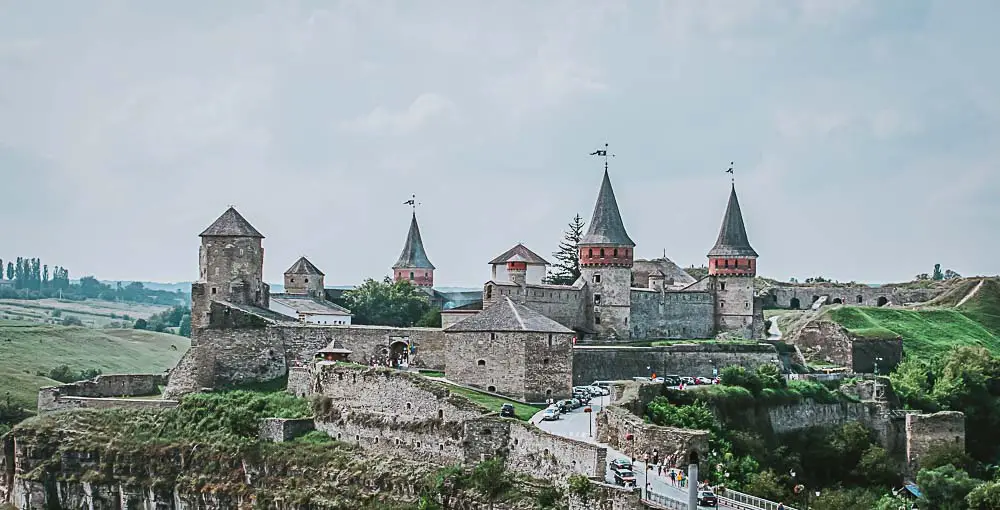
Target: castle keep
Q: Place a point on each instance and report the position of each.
(620, 298)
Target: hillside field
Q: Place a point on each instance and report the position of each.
(27, 348)
(968, 316)
(92, 312)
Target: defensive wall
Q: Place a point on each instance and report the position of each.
(664, 314)
(612, 363)
(602, 496)
(786, 296)
(279, 430)
(242, 347)
(621, 426)
(105, 392)
(561, 303)
(924, 432)
(832, 343)
(409, 415)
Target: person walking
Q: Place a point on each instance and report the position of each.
(781, 506)
(673, 477)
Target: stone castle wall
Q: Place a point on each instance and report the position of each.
(611, 363)
(105, 392)
(566, 305)
(860, 295)
(672, 314)
(611, 299)
(279, 430)
(925, 432)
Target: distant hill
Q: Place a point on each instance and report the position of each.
(967, 314)
(27, 348)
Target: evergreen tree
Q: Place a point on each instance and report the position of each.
(45, 276)
(567, 269)
(10, 270)
(1, 269)
(938, 275)
(19, 274)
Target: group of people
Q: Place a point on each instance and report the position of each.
(387, 360)
(675, 475)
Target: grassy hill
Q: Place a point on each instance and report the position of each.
(968, 314)
(27, 348)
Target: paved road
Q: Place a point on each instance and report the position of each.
(575, 425)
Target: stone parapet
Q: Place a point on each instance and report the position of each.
(279, 430)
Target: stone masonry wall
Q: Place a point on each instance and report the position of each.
(548, 366)
(610, 363)
(490, 361)
(608, 497)
(300, 381)
(279, 430)
(563, 304)
(734, 304)
(104, 392)
(862, 295)
(614, 309)
(672, 314)
(532, 449)
(924, 432)
(792, 418)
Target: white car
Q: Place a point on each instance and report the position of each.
(550, 414)
(597, 390)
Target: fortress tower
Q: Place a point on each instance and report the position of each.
(303, 278)
(732, 265)
(413, 264)
(231, 267)
(606, 254)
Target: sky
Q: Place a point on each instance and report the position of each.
(865, 135)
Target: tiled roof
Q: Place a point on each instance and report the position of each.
(506, 315)
(309, 305)
(642, 269)
(519, 249)
(413, 255)
(732, 240)
(231, 224)
(606, 225)
(335, 347)
(303, 266)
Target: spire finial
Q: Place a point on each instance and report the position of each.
(412, 202)
(603, 153)
(730, 172)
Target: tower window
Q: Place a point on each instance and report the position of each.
(213, 290)
(493, 336)
(545, 361)
(597, 278)
(481, 363)
(726, 263)
(411, 275)
(746, 304)
(590, 252)
(597, 319)
(722, 304)
(616, 253)
(597, 299)
(307, 280)
(489, 291)
(291, 280)
(722, 285)
(602, 253)
(550, 339)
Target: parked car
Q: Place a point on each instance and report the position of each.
(575, 402)
(702, 380)
(582, 389)
(565, 405)
(550, 414)
(507, 410)
(671, 380)
(688, 380)
(620, 464)
(708, 498)
(599, 391)
(625, 478)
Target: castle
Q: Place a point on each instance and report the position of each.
(620, 298)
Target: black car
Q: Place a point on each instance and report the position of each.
(707, 498)
(507, 410)
(671, 380)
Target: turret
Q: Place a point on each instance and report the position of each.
(656, 279)
(304, 278)
(231, 267)
(413, 264)
(606, 254)
(732, 265)
(517, 268)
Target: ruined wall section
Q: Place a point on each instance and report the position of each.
(105, 392)
(925, 432)
(682, 315)
(532, 450)
(858, 295)
(611, 363)
(832, 343)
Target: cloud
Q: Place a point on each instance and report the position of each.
(425, 110)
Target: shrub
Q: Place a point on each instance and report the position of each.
(695, 416)
(770, 376)
(738, 376)
(814, 390)
(140, 324)
(71, 321)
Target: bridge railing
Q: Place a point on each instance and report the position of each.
(657, 500)
(741, 501)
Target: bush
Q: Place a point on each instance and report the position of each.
(813, 390)
(64, 374)
(57, 313)
(140, 324)
(738, 376)
(770, 376)
(71, 321)
(695, 416)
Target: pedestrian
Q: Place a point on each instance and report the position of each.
(781, 506)
(648, 487)
(673, 477)
(659, 470)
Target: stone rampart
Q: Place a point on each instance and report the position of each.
(532, 448)
(621, 426)
(300, 381)
(925, 432)
(793, 418)
(803, 296)
(672, 314)
(279, 430)
(105, 392)
(611, 363)
(602, 496)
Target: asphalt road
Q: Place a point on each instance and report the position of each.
(575, 425)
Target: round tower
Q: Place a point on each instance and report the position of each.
(413, 264)
(732, 266)
(606, 255)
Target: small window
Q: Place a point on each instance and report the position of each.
(307, 279)
(615, 253)
(722, 304)
(597, 299)
(722, 285)
(597, 319)
(481, 363)
(241, 252)
(291, 280)
(861, 299)
(550, 339)
(545, 361)
(493, 336)
(487, 432)
(216, 271)
(411, 275)
(441, 413)
(213, 290)
(409, 405)
(746, 304)
(597, 278)
(489, 291)
(548, 393)
(590, 252)
(602, 253)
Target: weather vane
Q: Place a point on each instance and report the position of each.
(730, 172)
(603, 153)
(412, 202)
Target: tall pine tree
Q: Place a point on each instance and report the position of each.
(567, 269)
(10, 270)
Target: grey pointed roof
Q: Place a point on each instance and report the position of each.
(522, 250)
(303, 266)
(231, 224)
(413, 255)
(606, 225)
(506, 315)
(732, 240)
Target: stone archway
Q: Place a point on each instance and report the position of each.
(838, 301)
(794, 303)
(882, 301)
(399, 353)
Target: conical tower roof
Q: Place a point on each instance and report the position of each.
(413, 255)
(606, 225)
(732, 240)
(303, 266)
(231, 224)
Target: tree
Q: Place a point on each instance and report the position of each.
(10, 270)
(387, 303)
(140, 324)
(945, 488)
(770, 376)
(430, 319)
(185, 327)
(491, 480)
(938, 275)
(985, 496)
(45, 276)
(951, 275)
(447, 483)
(767, 485)
(567, 269)
(877, 468)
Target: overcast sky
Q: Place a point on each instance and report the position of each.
(865, 134)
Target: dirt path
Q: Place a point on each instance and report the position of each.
(970, 294)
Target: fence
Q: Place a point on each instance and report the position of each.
(740, 501)
(661, 501)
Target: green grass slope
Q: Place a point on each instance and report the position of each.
(27, 348)
(933, 330)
